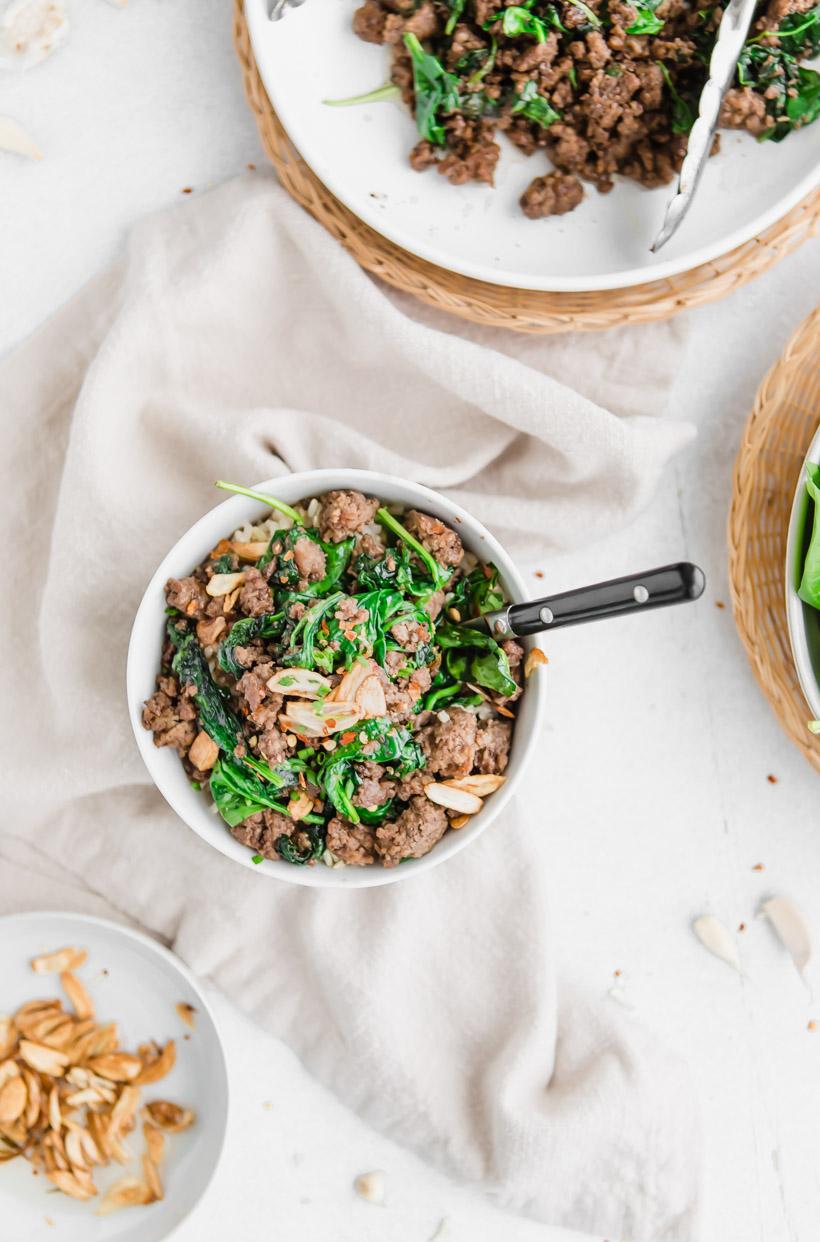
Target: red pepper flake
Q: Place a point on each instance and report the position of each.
(758, 867)
(187, 189)
(741, 927)
(488, 573)
(323, 627)
(539, 573)
(771, 779)
(331, 724)
(288, 555)
(346, 738)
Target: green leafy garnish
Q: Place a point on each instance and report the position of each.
(490, 669)
(435, 89)
(646, 21)
(257, 859)
(270, 501)
(456, 8)
(534, 106)
(683, 115)
(440, 575)
(809, 589)
(388, 91)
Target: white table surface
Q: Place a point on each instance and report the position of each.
(657, 805)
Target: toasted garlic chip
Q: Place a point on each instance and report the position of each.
(204, 752)
(30, 30)
(44, 1060)
(534, 658)
(249, 551)
(224, 584)
(370, 698)
(158, 1067)
(57, 963)
(320, 719)
(299, 683)
(169, 1117)
(71, 1185)
(127, 1192)
(116, 1066)
(154, 1142)
(76, 993)
(460, 820)
(186, 1013)
(482, 784)
(12, 1100)
(453, 799)
(791, 929)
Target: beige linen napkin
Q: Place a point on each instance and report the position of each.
(236, 340)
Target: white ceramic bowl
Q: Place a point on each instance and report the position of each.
(361, 155)
(137, 983)
(804, 621)
(146, 642)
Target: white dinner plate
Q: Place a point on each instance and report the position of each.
(360, 154)
(134, 981)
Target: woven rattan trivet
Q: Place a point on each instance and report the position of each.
(777, 435)
(496, 305)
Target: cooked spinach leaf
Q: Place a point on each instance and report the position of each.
(809, 590)
(435, 89)
(646, 21)
(440, 575)
(244, 632)
(490, 669)
(191, 667)
(683, 114)
(534, 106)
(290, 852)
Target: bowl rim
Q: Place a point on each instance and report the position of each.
(195, 984)
(260, 29)
(228, 515)
(797, 611)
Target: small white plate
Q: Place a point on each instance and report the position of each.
(137, 983)
(360, 154)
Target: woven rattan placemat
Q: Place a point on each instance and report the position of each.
(496, 305)
(776, 438)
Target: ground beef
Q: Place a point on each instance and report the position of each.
(351, 843)
(210, 629)
(444, 544)
(188, 595)
(743, 109)
(492, 747)
(373, 789)
(255, 597)
(450, 744)
(410, 635)
(413, 784)
(310, 561)
(413, 834)
(434, 604)
(260, 833)
(588, 94)
(344, 513)
(170, 714)
(402, 695)
(271, 744)
(553, 195)
(252, 685)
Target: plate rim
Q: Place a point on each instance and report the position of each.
(258, 22)
(133, 933)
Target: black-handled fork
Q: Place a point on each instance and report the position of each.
(657, 588)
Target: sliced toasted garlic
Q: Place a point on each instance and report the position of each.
(57, 963)
(370, 698)
(204, 751)
(127, 1192)
(157, 1067)
(249, 551)
(320, 719)
(371, 1186)
(186, 1013)
(44, 1060)
(223, 584)
(169, 1117)
(116, 1066)
(715, 937)
(12, 1099)
(76, 993)
(482, 784)
(300, 806)
(791, 929)
(8, 1036)
(353, 680)
(453, 799)
(534, 658)
(299, 683)
(458, 821)
(70, 1184)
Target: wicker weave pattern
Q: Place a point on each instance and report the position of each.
(780, 428)
(494, 305)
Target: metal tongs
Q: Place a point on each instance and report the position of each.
(732, 34)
